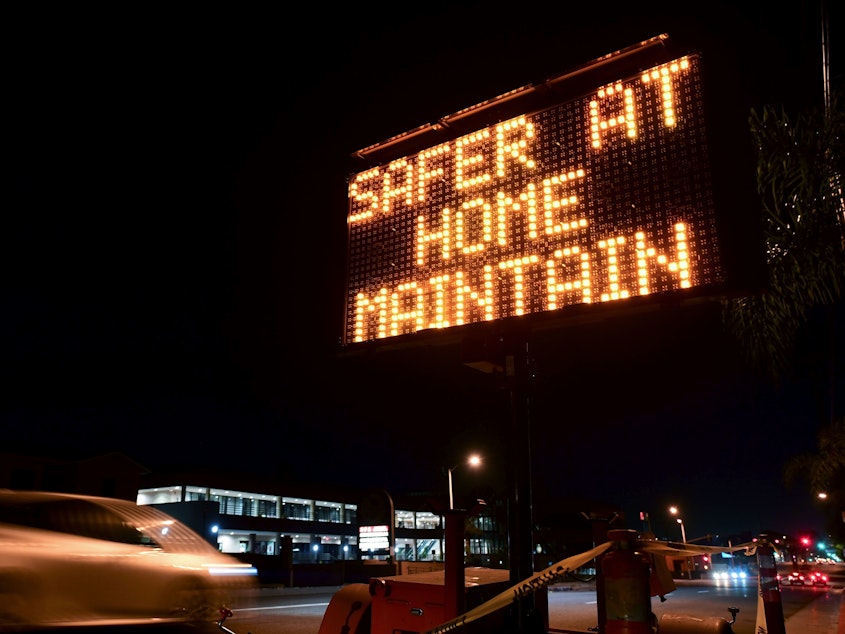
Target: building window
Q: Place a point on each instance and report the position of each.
(404, 519)
(351, 514)
(229, 505)
(428, 520)
(326, 513)
(297, 511)
(267, 508)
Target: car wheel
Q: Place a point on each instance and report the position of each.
(191, 601)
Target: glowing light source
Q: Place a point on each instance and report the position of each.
(585, 201)
(473, 461)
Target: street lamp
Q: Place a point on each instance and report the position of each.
(674, 511)
(454, 602)
(473, 461)
(683, 533)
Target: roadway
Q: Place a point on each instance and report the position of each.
(300, 610)
(572, 609)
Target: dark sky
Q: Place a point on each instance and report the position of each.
(174, 235)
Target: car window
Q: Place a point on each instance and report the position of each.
(76, 517)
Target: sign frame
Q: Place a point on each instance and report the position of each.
(392, 176)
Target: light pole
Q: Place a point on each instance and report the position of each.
(674, 511)
(473, 461)
(454, 600)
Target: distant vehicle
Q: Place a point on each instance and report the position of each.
(76, 560)
(817, 578)
(730, 575)
(794, 578)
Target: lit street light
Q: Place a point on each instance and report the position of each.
(454, 602)
(674, 511)
(473, 461)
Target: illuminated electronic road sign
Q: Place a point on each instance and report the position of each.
(600, 198)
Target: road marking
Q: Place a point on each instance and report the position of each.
(282, 607)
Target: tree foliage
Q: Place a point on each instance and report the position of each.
(824, 471)
(799, 182)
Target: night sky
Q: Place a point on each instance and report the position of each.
(173, 252)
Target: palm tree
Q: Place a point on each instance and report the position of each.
(825, 473)
(799, 182)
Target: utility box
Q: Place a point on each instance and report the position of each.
(409, 604)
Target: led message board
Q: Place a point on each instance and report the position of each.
(374, 538)
(600, 198)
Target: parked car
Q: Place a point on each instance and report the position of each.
(84, 561)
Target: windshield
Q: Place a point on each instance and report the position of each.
(75, 517)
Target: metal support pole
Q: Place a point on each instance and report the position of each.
(520, 522)
(769, 588)
(454, 581)
(600, 525)
(507, 353)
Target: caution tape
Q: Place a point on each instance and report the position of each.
(761, 625)
(553, 574)
(557, 572)
(678, 549)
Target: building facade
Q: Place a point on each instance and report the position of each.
(279, 524)
(318, 525)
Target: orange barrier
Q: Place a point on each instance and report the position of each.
(349, 611)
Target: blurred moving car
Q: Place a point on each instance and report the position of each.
(82, 560)
(817, 578)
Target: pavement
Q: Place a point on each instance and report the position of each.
(825, 615)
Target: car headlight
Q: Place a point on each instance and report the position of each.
(232, 570)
